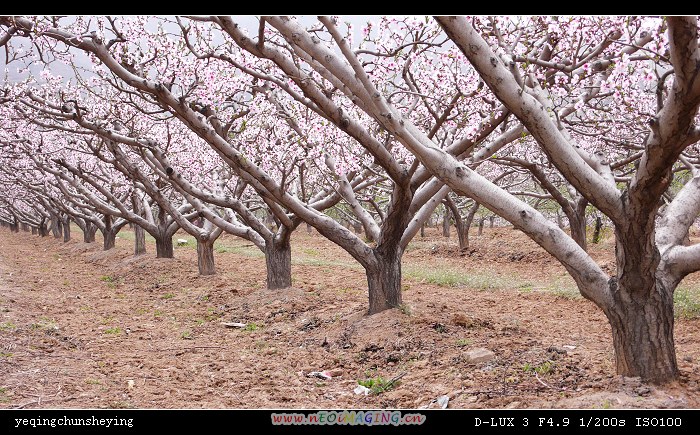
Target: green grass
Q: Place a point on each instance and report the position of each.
(446, 277)
(252, 327)
(7, 326)
(114, 331)
(686, 301)
(378, 384)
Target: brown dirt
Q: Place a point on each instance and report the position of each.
(84, 328)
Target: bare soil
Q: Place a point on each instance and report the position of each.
(86, 328)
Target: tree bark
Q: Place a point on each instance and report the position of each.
(422, 230)
(109, 239)
(446, 223)
(278, 258)
(89, 232)
(164, 247)
(384, 282)
(139, 240)
(596, 230)
(56, 227)
(205, 257)
(643, 333)
(66, 230)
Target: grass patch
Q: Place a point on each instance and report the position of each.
(378, 384)
(7, 326)
(686, 301)
(463, 342)
(168, 296)
(114, 331)
(542, 369)
(455, 278)
(252, 327)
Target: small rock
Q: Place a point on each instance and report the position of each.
(643, 390)
(556, 349)
(632, 382)
(513, 405)
(443, 401)
(688, 358)
(479, 354)
(361, 389)
(473, 399)
(335, 372)
(320, 375)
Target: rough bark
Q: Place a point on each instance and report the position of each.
(139, 240)
(384, 281)
(278, 258)
(596, 230)
(205, 257)
(446, 223)
(56, 227)
(109, 239)
(164, 247)
(66, 230)
(642, 327)
(89, 232)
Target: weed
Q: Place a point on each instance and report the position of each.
(252, 327)
(542, 369)
(168, 296)
(378, 384)
(686, 303)
(5, 355)
(7, 326)
(92, 381)
(463, 342)
(116, 330)
(310, 251)
(186, 335)
(405, 308)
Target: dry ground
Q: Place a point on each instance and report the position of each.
(83, 328)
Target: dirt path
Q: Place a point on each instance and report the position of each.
(83, 328)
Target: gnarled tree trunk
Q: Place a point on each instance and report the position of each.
(139, 240)
(89, 232)
(164, 247)
(66, 230)
(278, 258)
(205, 257)
(384, 281)
(643, 333)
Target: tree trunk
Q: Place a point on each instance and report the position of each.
(164, 247)
(139, 240)
(309, 228)
(384, 282)
(89, 232)
(109, 239)
(56, 228)
(596, 230)
(446, 223)
(34, 231)
(66, 230)
(278, 258)
(577, 226)
(25, 227)
(422, 230)
(643, 334)
(481, 227)
(491, 220)
(205, 257)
